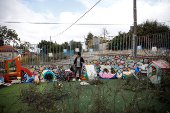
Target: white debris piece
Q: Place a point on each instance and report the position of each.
(84, 83)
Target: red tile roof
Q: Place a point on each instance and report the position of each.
(95, 37)
(7, 48)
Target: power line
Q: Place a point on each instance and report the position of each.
(58, 23)
(79, 18)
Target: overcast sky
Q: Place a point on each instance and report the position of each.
(68, 11)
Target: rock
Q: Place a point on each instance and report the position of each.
(32, 69)
(110, 57)
(139, 63)
(115, 70)
(94, 61)
(128, 69)
(146, 61)
(132, 64)
(121, 66)
(141, 60)
(112, 66)
(122, 62)
(116, 66)
(121, 57)
(118, 61)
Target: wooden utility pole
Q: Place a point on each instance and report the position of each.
(50, 44)
(135, 29)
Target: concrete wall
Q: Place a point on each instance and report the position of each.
(103, 46)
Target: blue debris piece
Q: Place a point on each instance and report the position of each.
(121, 66)
(112, 66)
(121, 57)
(116, 66)
(110, 57)
(136, 69)
(132, 64)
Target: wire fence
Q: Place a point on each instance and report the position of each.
(150, 45)
(34, 55)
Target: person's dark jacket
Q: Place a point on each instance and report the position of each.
(81, 60)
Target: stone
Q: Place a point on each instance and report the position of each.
(122, 62)
(32, 69)
(117, 56)
(116, 66)
(132, 64)
(97, 63)
(118, 61)
(94, 61)
(110, 57)
(128, 69)
(112, 66)
(36, 72)
(37, 68)
(104, 63)
(121, 57)
(124, 69)
(146, 61)
(126, 66)
(139, 63)
(127, 61)
(131, 61)
(108, 62)
(115, 70)
(121, 66)
(121, 70)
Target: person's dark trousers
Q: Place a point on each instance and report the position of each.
(78, 69)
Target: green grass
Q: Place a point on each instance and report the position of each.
(86, 95)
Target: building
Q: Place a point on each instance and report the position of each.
(7, 52)
(96, 41)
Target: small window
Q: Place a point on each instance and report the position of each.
(153, 71)
(0, 55)
(9, 55)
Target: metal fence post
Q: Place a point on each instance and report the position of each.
(168, 43)
(70, 53)
(45, 54)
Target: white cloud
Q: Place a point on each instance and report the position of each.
(41, 0)
(106, 12)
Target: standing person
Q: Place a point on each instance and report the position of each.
(78, 62)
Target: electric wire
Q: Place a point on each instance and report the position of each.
(59, 23)
(78, 19)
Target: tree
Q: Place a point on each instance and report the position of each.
(147, 28)
(151, 27)
(7, 36)
(89, 37)
(45, 44)
(75, 44)
(66, 45)
(105, 32)
(1, 42)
